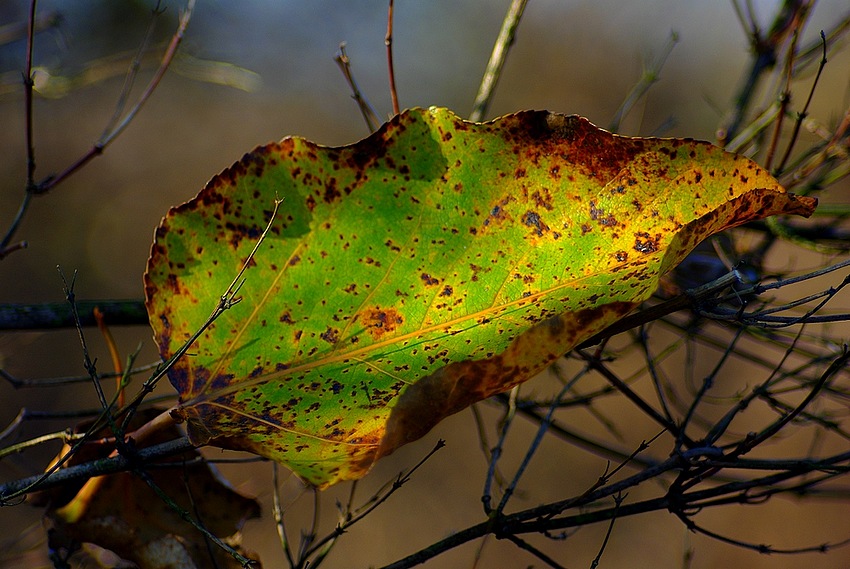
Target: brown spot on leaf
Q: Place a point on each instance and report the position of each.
(644, 243)
(330, 335)
(429, 280)
(543, 198)
(532, 219)
(380, 321)
(601, 216)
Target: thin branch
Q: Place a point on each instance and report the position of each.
(618, 500)
(400, 481)
(190, 519)
(708, 381)
(764, 58)
(227, 301)
(85, 471)
(652, 369)
(88, 363)
(19, 383)
(29, 443)
(105, 140)
(496, 452)
(53, 315)
(691, 298)
(133, 70)
(308, 537)
(114, 354)
(588, 444)
(541, 513)
(752, 441)
(493, 72)
(802, 114)
(724, 422)
(759, 547)
(369, 114)
(388, 41)
(538, 438)
(785, 95)
(540, 519)
(648, 78)
(522, 544)
(39, 188)
(623, 388)
(28, 101)
(277, 511)
(5, 247)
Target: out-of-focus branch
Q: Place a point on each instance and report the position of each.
(504, 41)
(53, 315)
(34, 188)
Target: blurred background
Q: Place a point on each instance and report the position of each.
(256, 71)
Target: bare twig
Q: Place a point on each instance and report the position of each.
(5, 244)
(52, 315)
(623, 388)
(496, 452)
(785, 95)
(191, 520)
(522, 544)
(369, 114)
(388, 41)
(85, 471)
(538, 438)
(803, 113)
(132, 72)
(88, 363)
(648, 78)
(765, 47)
(19, 383)
(228, 300)
(44, 186)
(618, 500)
(400, 481)
(504, 41)
(753, 441)
(278, 517)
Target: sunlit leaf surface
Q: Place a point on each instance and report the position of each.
(424, 268)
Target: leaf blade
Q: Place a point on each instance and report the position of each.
(435, 261)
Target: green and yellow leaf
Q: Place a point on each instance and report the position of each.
(431, 265)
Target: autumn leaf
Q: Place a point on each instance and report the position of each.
(431, 265)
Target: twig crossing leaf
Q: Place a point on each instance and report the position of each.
(433, 264)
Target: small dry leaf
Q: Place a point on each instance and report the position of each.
(122, 516)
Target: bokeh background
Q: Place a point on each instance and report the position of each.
(275, 76)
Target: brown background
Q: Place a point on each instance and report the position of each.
(573, 57)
